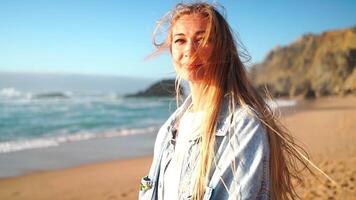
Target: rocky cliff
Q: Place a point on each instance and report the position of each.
(312, 66)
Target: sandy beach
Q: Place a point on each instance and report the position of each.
(326, 127)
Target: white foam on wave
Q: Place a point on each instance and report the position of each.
(12, 93)
(282, 103)
(9, 92)
(11, 146)
(19, 145)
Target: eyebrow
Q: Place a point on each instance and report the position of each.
(196, 33)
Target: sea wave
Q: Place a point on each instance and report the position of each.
(11, 92)
(278, 103)
(26, 144)
(14, 93)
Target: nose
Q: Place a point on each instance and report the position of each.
(190, 49)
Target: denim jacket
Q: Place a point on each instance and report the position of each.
(240, 169)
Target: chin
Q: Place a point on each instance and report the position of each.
(192, 77)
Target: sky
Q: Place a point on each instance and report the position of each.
(113, 37)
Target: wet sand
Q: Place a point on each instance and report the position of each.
(326, 126)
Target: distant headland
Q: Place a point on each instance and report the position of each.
(163, 88)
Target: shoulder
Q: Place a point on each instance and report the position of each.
(234, 113)
(245, 116)
(169, 123)
(172, 119)
(247, 127)
(239, 120)
(246, 112)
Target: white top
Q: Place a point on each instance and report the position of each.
(188, 129)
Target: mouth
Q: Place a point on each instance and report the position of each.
(192, 66)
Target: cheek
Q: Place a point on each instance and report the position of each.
(175, 56)
(206, 54)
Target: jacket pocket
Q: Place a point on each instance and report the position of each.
(145, 189)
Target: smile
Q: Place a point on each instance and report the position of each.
(194, 66)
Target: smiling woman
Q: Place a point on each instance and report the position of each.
(188, 36)
(223, 142)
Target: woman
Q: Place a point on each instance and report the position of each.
(223, 142)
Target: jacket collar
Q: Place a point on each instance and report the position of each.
(223, 122)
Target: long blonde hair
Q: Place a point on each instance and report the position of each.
(226, 75)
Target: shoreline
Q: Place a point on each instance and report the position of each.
(78, 153)
(77, 150)
(326, 127)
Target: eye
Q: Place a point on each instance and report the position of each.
(179, 41)
(200, 40)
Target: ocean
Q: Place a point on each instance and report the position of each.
(37, 120)
(61, 129)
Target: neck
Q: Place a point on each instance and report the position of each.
(197, 96)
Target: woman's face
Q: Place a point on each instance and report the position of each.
(187, 34)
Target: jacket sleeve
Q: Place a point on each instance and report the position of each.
(244, 164)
